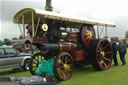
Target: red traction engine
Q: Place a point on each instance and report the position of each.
(72, 41)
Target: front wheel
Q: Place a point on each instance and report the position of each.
(63, 66)
(34, 62)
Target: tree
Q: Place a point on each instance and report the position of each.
(126, 34)
(1, 43)
(14, 38)
(7, 41)
(20, 37)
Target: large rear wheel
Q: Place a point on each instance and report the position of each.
(101, 53)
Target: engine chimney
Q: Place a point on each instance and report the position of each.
(48, 6)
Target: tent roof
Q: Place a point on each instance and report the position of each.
(27, 12)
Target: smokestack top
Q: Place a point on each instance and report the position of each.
(48, 6)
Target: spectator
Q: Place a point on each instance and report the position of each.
(114, 47)
(122, 51)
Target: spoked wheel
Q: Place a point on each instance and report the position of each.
(34, 62)
(63, 66)
(101, 52)
(87, 35)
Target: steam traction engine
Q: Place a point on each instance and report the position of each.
(72, 41)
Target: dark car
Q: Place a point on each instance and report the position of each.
(11, 58)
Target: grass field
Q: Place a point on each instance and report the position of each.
(116, 75)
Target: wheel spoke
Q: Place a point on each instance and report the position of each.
(108, 52)
(34, 68)
(106, 59)
(36, 58)
(102, 43)
(101, 62)
(101, 47)
(99, 58)
(59, 72)
(35, 63)
(106, 46)
(104, 63)
(98, 51)
(67, 73)
(98, 54)
(66, 59)
(62, 61)
(64, 76)
(42, 58)
(69, 61)
(60, 66)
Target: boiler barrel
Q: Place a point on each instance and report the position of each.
(54, 48)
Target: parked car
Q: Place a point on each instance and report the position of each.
(11, 58)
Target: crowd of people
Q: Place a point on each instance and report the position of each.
(122, 49)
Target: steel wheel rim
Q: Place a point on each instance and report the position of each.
(64, 66)
(27, 66)
(87, 34)
(104, 54)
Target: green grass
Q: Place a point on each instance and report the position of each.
(115, 75)
(14, 72)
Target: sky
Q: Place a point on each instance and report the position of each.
(108, 10)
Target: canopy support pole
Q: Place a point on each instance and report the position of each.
(37, 25)
(106, 30)
(101, 30)
(98, 31)
(20, 30)
(33, 25)
(23, 26)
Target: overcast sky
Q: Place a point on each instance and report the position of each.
(108, 10)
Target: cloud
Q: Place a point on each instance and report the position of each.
(9, 8)
(0, 20)
(0, 30)
(110, 10)
(9, 30)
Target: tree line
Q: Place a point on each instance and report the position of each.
(7, 41)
